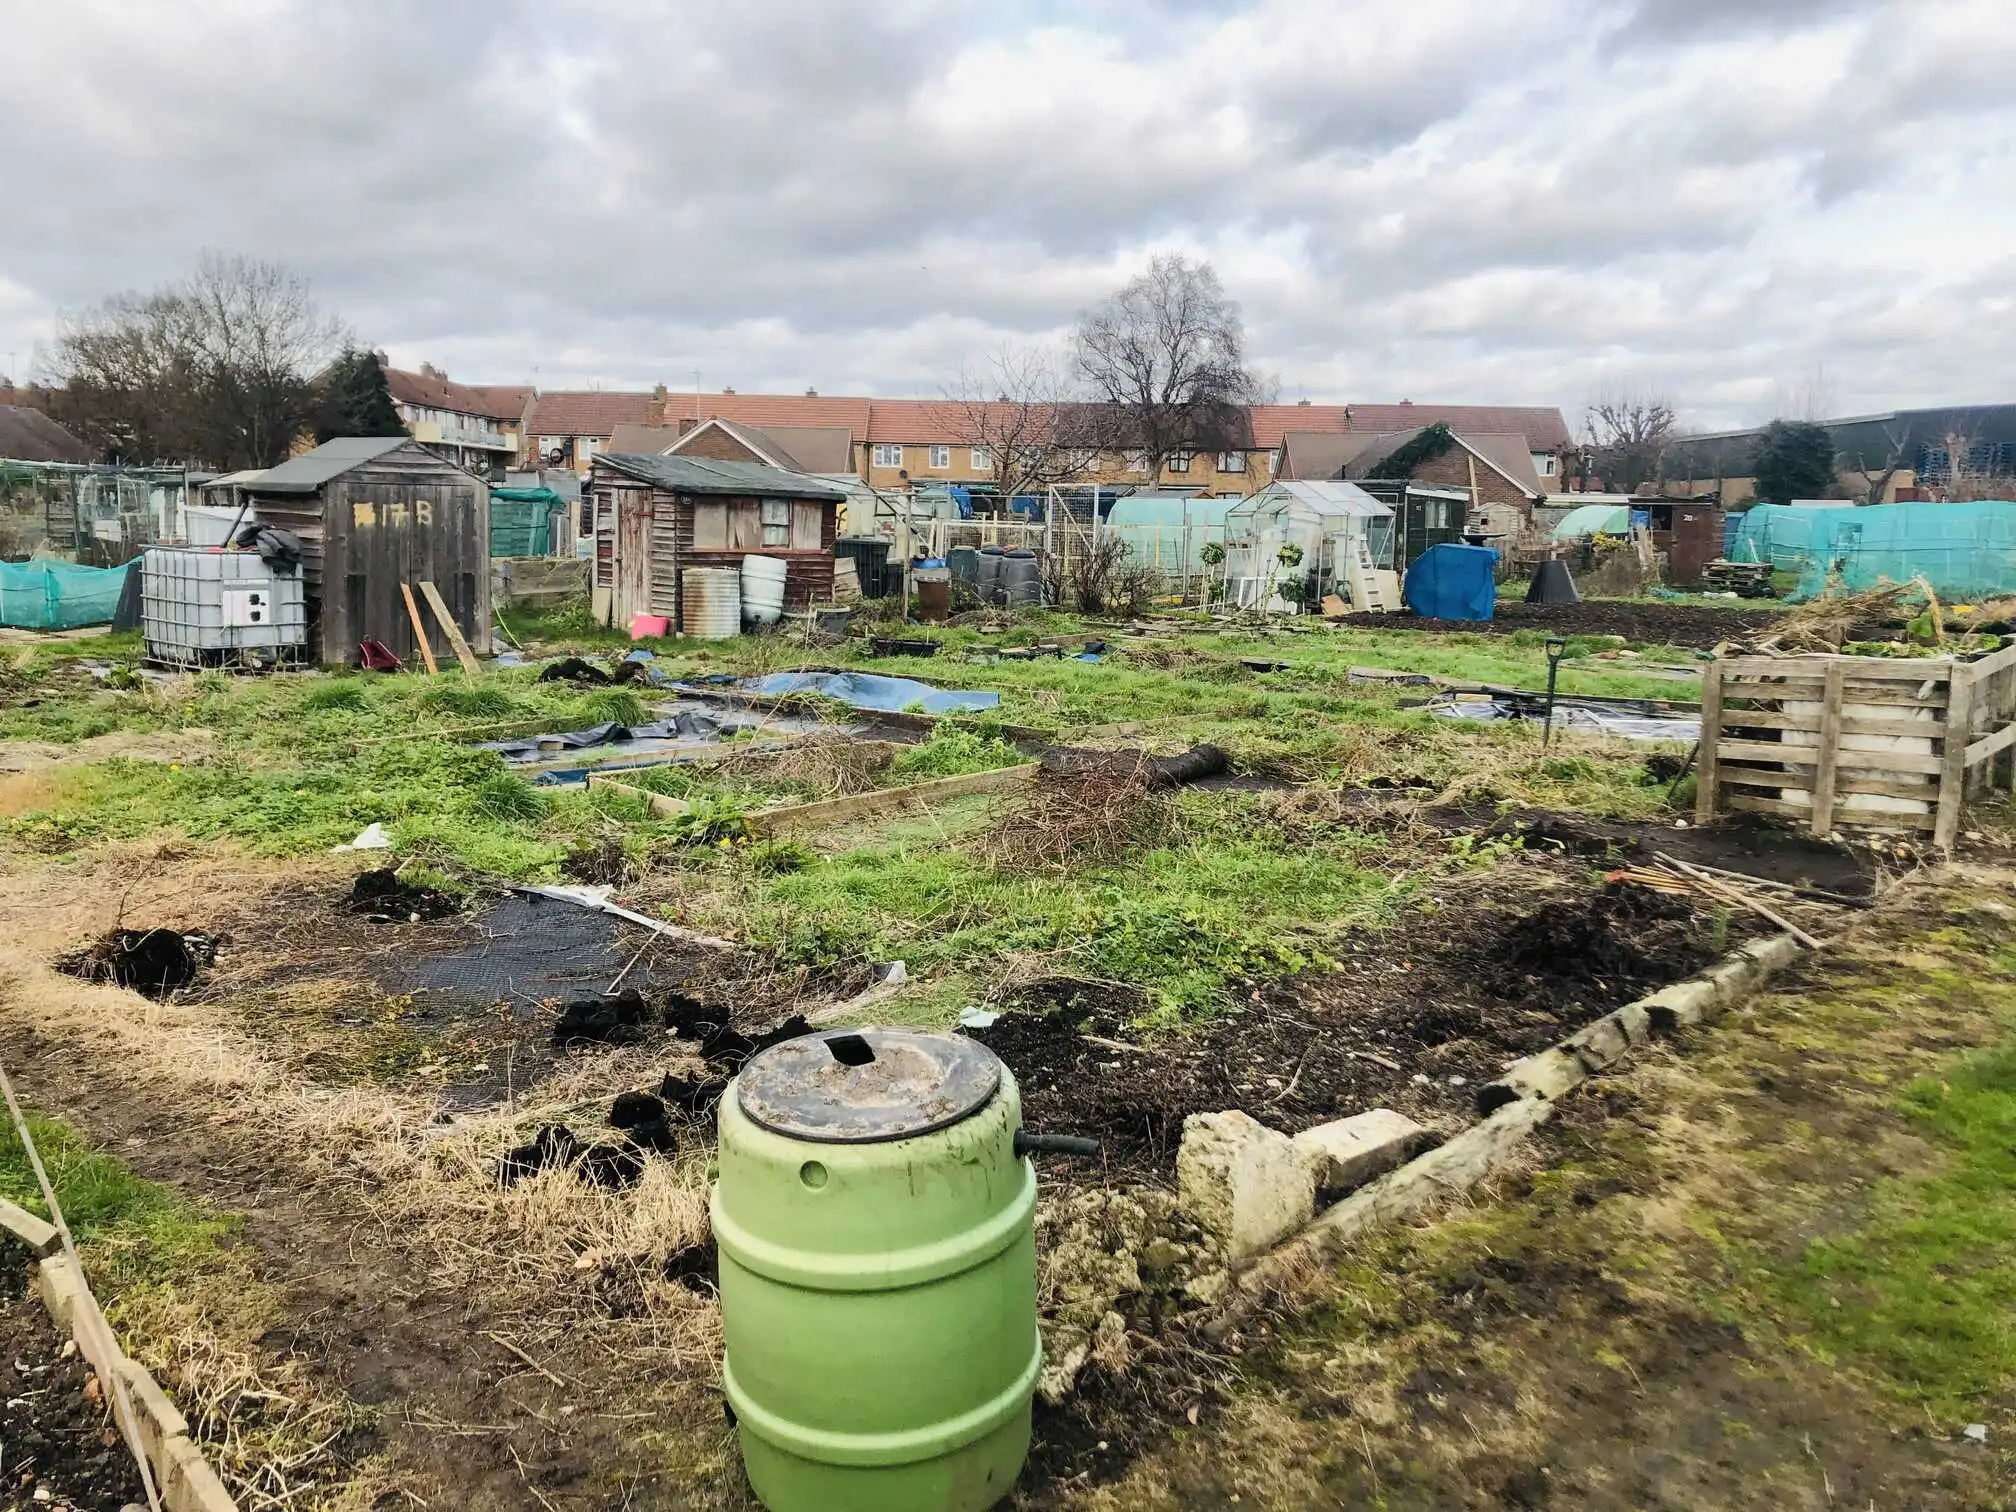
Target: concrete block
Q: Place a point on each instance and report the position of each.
(40, 1237)
(62, 1288)
(1600, 1044)
(1680, 1006)
(1351, 1151)
(187, 1482)
(1552, 1073)
(1636, 1022)
(1244, 1184)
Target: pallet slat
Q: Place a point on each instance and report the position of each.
(1748, 805)
(1851, 724)
(1810, 756)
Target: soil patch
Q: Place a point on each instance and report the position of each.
(1642, 624)
(62, 1449)
(155, 963)
(382, 898)
(1416, 1018)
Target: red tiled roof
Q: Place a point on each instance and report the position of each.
(490, 400)
(587, 414)
(764, 410)
(28, 435)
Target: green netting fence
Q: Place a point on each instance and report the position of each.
(1963, 550)
(521, 521)
(58, 595)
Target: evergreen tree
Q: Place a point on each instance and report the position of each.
(1794, 459)
(356, 400)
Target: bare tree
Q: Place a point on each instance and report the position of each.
(1874, 468)
(1166, 355)
(1628, 433)
(218, 369)
(1018, 409)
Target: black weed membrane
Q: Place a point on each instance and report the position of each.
(155, 963)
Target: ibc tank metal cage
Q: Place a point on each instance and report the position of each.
(201, 607)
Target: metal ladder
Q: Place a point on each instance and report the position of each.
(1368, 595)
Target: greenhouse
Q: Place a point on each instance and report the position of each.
(1324, 521)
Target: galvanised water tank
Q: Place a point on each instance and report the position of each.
(878, 1273)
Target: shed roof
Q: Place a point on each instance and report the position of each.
(1332, 498)
(28, 435)
(309, 471)
(699, 475)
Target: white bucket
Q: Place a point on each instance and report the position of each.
(713, 602)
(762, 589)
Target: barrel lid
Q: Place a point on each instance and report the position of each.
(867, 1085)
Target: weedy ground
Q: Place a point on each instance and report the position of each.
(326, 1269)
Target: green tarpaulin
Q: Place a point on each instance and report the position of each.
(58, 595)
(521, 521)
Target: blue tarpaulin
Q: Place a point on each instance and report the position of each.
(1453, 582)
(866, 690)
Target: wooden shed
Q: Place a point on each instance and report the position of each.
(655, 516)
(374, 512)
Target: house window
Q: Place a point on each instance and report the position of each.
(553, 448)
(1137, 463)
(983, 459)
(1179, 462)
(941, 456)
(585, 449)
(1543, 463)
(1231, 462)
(776, 522)
(1274, 460)
(888, 456)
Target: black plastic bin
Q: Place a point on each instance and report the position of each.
(870, 555)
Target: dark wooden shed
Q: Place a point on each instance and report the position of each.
(373, 512)
(1688, 532)
(655, 516)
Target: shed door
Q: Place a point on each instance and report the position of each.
(633, 556)
(412, 535)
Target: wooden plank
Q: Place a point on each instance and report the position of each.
(463, 654)
(1922, 789)
(882, 800)
(419, 631)
(1991, 745)
(1885, 695)
(1830, 751)
(1851, 724)
(1705, 782)
(1860, 668)
(1742, 899)
(1809, 756)
(1743, 803)
(1953, 781)
(661, 804)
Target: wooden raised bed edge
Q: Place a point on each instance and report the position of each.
(181, 1474)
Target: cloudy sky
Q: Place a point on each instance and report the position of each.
(1744, 204)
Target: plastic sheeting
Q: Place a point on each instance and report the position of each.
(684, 726)
(867, 690)
(1568, 716)
(1451, 582)
(1964, 550)
(521, 521)
(58, 595)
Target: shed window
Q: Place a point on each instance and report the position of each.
(710, 527)
(776, 522)
(807, 527)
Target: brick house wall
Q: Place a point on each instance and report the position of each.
(1452, 469)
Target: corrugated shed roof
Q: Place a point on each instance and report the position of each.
(28, 435)
(310, 470)
(701, 475)
(587, 414)
(432, 391)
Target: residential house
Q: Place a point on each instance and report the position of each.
(1494, 472)
(28, 435)
(478, 427)
(567, 429)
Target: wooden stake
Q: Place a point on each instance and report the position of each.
(1711, 735)
(419, 631)
(1953, 779)
(1741, 899)
(463, 654)
(1830, 749)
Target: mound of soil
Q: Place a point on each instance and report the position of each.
(155, 963)
(1697, 626)
(383, 899)
(61, 1447)
(1418, 1019)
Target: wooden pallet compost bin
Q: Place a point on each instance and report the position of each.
(1856, 741)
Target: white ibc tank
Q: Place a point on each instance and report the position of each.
(762, 589)
(713, 602)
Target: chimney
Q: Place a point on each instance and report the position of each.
(1406, 401)
(811, 393)
(428, 370)
(727, 389)
(654, 412)
(1302, 404)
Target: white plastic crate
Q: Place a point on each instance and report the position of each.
(202, 607)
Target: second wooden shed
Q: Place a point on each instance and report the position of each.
(374, 512)
(655, 516)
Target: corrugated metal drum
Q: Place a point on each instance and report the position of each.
(713, 602)
(987, 574)
(763, 589)
(1019, 580)
(878, 1273)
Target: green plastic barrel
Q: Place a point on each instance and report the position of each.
(878, 1273)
